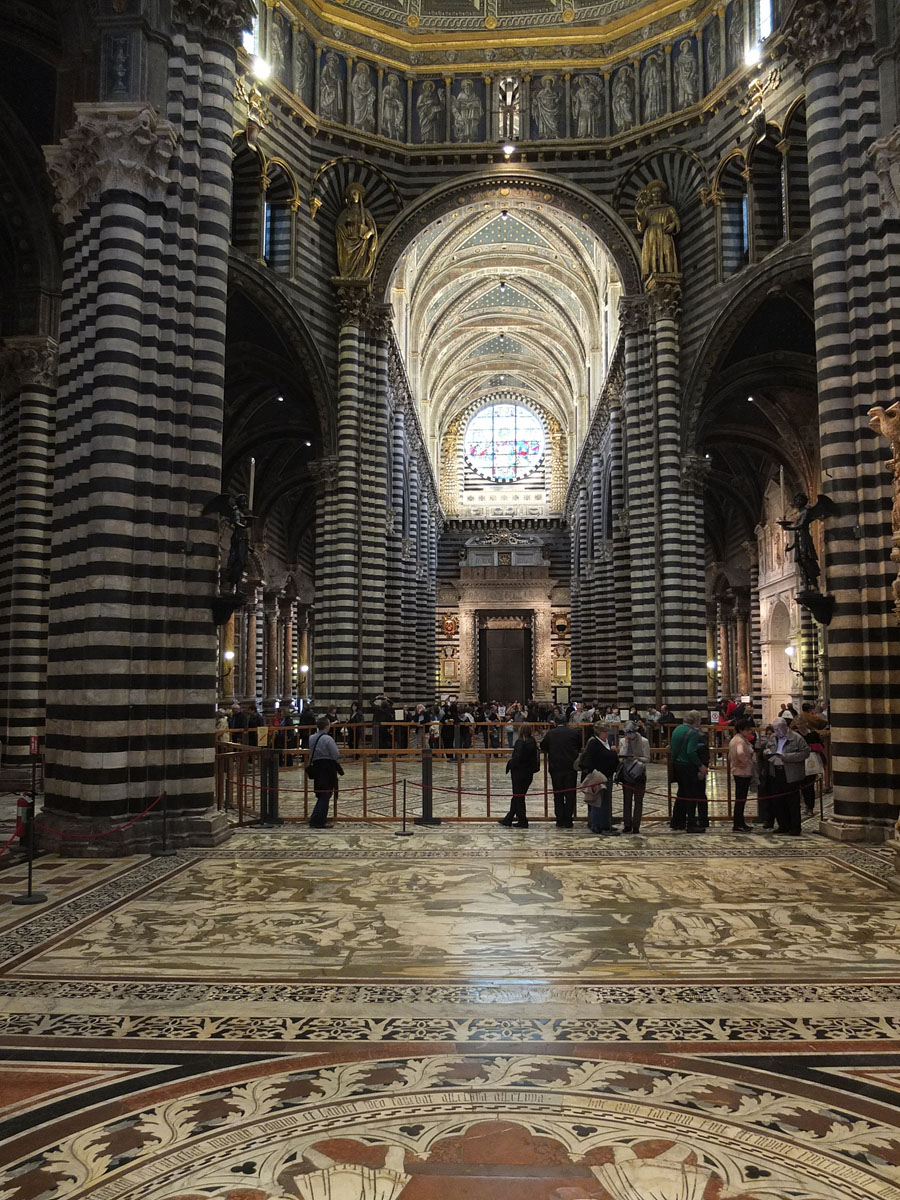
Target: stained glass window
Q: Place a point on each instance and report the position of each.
(504, 442)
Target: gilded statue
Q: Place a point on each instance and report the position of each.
(658, 221)
(886, 421)
(356, 235)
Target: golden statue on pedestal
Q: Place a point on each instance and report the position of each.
(886, 421)
(356, 235)
(658, 221)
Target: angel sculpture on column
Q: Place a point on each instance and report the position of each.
(886, 421)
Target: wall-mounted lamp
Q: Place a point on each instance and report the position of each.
(790, 651)
(712, 664)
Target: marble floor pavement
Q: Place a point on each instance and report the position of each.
(471, 1012)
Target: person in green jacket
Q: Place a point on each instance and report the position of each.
(689, 755)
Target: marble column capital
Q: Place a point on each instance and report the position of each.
(324, 472)
(633, 313)
(819, 31)
(885, 155)
(381, 322)
(695, 471)
(27, 362)
(354, 300)
(112, 146)
(219, 18)
(664, 300)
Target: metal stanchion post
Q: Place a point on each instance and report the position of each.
(31, 897)
(165, 850)
(403, 831)
(427, 817)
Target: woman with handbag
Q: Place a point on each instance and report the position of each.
(598, 764)
(522, 766)
(634, 751)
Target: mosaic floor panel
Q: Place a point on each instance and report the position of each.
(463, 1014)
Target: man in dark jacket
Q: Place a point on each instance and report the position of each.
(324, 767)
(562, 745)
(689, 754)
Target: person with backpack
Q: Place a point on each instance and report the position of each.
(634, 751)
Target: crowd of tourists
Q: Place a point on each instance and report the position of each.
(782, 761)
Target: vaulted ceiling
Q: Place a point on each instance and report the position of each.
(512, 298)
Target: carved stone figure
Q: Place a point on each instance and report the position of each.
(713, 56)
(356, 235)
(392, 108)
(623, 99)
(362, 99)
(331, 89)
(236, 511)
(886, 421)
(467, 112)
(818, 31)
(545, 107)
(278, 49)
(885, 155)
(803, 546)
(736, 34)
(587, 107)
(508, 107)
(658, 221)
(428, 110)
(687, 76)
(654, 89)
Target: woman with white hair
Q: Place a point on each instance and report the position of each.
(786, 753)
(634, 751)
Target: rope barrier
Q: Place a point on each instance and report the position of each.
(589, 787)
(91, 837)
(20, 828)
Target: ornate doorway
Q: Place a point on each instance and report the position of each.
(505, 667)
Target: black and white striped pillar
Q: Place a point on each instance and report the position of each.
(27, 425)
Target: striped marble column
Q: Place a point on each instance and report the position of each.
(577, 523)
(621, 552)
(411, 598)
(339, 671)
(27, 420)
(394, 640)
(373, 472)
(693, 618)
(809, 655)
(856, 317)
(639, 483)
(752, 548)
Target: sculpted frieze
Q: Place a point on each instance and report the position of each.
(819, 31)
(27, 362)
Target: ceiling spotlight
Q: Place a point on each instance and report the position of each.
(749, 399)
(261, 69)
(502, 377)
(502, 285)
(502, 335)
(280, 399)
(707, 456)
(307, 443)
(508, 149)
(504, 216)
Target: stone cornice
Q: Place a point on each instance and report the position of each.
(820, 31)
(224, 19)
(27, 362)
(111, 146)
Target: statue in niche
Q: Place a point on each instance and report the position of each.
(687, 76)
(356, 235)
(301, 64)
(428, 110)
(545, 107)
(803, 546)
(331, 89)
(362, 99)
(736, 34)
(278, 46)
(467, 112)
(713, 56)
(623, 99)
(654, 89)
(658, 221)
(392, 108)
(508, 108)
(587, 107)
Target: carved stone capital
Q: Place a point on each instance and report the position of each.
(633, 314)
(27, 362)
(621, 524)
(819, 31)
(220, 18)
(663, 299)
(603, 550)
(751, 549)
(381, 322)
(325, 473)
(111, 146)
(695, 471)
(407, 550)
(885, 155)
(354, 299)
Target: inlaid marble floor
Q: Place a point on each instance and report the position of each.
(467, 1013)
